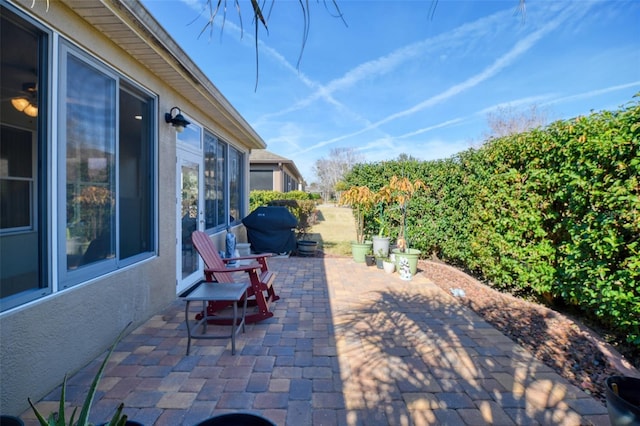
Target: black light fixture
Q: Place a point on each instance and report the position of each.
(177, 120)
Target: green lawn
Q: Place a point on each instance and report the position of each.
(334, 231)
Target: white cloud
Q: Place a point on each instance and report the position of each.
(517, 51)
(594, 93)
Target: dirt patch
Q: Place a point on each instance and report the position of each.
(574, 351)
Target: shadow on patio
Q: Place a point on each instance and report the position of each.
(348, 345)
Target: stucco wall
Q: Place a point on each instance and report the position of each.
(46, 339)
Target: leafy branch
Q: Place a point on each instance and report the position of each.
(259, 19)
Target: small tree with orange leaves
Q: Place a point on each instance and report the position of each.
(400, 191)
(361, 199)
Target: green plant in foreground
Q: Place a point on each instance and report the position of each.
(59, 418)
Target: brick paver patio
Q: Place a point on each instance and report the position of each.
(348, 345)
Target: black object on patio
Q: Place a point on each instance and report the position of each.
(237, 419)
(271, 230)
(623, 400)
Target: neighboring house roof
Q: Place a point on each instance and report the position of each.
(128, 24)
(262, 156)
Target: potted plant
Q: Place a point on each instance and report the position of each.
(59, 418)
(400, 191)
(361, 199)
(381, 241)
(306, 213)
(370, 259)
(388, 265)
(378, 261)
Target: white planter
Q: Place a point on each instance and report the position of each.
(244, 249)
(381, 246)
(388, 266)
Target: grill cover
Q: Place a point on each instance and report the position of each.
(270, 230)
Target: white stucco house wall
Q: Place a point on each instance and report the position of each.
(99, 194)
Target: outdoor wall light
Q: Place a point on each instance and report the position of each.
(177, 120)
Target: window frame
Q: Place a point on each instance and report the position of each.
(223, 148)
(41, 198)
(240, 184)
(70, 277)
(136, 90)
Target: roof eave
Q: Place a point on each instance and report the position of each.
(134, 29)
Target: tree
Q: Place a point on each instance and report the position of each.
(361, 199)
(332, 169)
(216, 7)
(508, 120)
(406, 157)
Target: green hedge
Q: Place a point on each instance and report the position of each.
(553, 213)
(263, 198)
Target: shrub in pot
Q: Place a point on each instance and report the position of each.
(400, 191)
(360, 199)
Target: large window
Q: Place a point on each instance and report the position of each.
(97, 177)
(23, 154)
(290, 184)
(223, 183)
(106, 150)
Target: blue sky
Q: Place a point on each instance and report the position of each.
(397, 79)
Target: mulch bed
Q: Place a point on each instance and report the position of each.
(574, 351)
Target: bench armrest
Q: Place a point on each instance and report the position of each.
(253, 256)
(241, 268)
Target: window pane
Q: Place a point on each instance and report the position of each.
(211, 196)
(221, 183)
(15, 153)
(235, 184)
(135, 172)
(16, 177)
(191, 135)
(261, 180)
(23, 203)
(190, 194)
(15, 204)
(90, 147)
